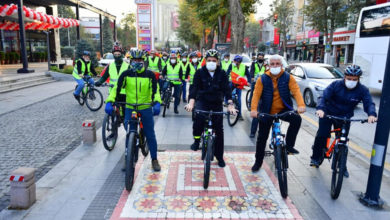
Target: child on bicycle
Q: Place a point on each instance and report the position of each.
(340, 99)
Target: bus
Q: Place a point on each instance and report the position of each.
(372, 43)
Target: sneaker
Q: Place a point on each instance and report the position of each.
(155, 165)
(292, 150)
(221, 163)
(314, 163)
(346, 173)
(77, 97)
(176, 111)
(195, 145)
(256, 166)
(252, 135)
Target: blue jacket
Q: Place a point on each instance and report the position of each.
(338, 100)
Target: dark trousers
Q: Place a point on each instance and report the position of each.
(184, 90)
(176, 94)
(199, 124)
(323, 133)
(265, 125)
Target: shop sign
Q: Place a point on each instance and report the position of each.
(314, 40)
(291, 43)
(143, 1)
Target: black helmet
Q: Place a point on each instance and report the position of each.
(117, 47)
(212, 53)
(86, 53)
(193, 54)
(260, 54)
(185, 54)
(353, 70)
(137, 54)
(253, 54)
(226, 55)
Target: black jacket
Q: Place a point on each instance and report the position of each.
(210, 89)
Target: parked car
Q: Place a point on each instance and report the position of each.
(106, 60)
(313, 78)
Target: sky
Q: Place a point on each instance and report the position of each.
(117, 7)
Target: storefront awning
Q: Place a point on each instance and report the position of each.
(38, 20)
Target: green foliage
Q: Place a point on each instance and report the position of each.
(83, 45)
(67, 12)
(68, 69)
(191, 28)
(40, 49)
(17, 56)
(11, 56)
(2, 55)
(67, 52)
(253, 31)
(261, 47)
(108, 40)
(127, 31)
(6, 56)
(55, 69)
(99, 69)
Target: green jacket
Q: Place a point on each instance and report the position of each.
(140, 88)
(81, 68)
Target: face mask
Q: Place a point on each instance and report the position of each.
(173, 61)
(350, 84)
(118, 58)
(211, 66)
(165, 58)
(184, 60)
(275, 70)
(195, 60)
(138, 66)
(226, 60)
(260, 60)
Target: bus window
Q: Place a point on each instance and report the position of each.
(375, 22)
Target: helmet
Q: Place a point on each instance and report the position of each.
(238, 58)
(212, 53)
(165, 54)
(193, 54)
(353, 70)
(183, 55)
(117, 47)
(173, 55)
(226, 55)
(260, 54)
(86, 53)
(137, 54)
(253, 54)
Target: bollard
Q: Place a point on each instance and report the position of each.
(23, 189)
(89, 132)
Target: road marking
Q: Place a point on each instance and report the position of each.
(353, 145)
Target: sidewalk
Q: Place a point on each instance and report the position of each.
(88, 183)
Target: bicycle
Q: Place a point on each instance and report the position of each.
(207, 139)
(247, 99)
(167, 95)
(91, 96)
(279, 150)
(233, 118)
(135, 140)
(338, 151)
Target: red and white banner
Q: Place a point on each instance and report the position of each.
(42, 21)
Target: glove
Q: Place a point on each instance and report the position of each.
(109, 108)
(156, 108)
(98, 83)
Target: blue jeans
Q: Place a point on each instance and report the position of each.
(148, 123)
(184, 90)
(81, 84)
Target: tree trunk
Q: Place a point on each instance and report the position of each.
(219, 28)
(224, 29)
(238, 26)
(210, 39)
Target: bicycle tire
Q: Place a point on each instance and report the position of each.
(281, 173)
(166, 102)
(231, 120)
(109, 124)
(94, 94)
(130, 161)
(207, 162)
(81, 99)
(338, 168)
(248, 102)
(143, 144)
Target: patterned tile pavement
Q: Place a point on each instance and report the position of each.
(177, 191)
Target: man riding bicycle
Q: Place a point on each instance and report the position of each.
(273, 91)
(185, 67)
(340, 99)
(153, 62)
(82, 68)
(209, 87)
(141, 87)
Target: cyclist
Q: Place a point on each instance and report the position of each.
(141, 87)
(340, 99)
(237, 67)
(153, 62)
(164, 60)
(83, 67)
(184, 66)
(174, 72)
(193, 67)
(254, 57)
(257, 69)
(273, 91)
(226, 62)
(210, 85)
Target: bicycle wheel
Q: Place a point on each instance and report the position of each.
(109, 132)
(143, 144)
(338, 166)
(233, 119)
(81, 99)
(130, 161)
(166, 103)
(248, 101)
(207, 162)
(94, 99)
(280, 170)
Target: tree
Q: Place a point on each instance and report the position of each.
(190, 27)
(261, 47)
(253, 31)
(84, 45)
(283, 11)
(108, 40)
(127, 31)
(65, 38)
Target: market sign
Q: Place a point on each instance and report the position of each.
(348, 38)
(291, 43)
(144, 24)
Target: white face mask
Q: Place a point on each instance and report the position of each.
(173, 61)
(226, 60)
(194, 60)
(350, 84)
(184, 60)
(165, 58)
(211, 66)
(275, 70)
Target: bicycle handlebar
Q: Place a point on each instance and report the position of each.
(209, 112)
(108, 85)
(277, 115)
(134, 105)
(346, 119)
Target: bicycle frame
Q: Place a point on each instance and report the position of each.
(329, 147)
(277, 137)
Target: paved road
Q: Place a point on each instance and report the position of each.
(40, 135)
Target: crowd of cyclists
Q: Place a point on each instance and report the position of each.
(206, 81)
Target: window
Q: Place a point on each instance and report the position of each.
(299, 72)
(375, 22)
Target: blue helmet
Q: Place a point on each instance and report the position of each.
(86, 53)
(238, 58)
(353, 70)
